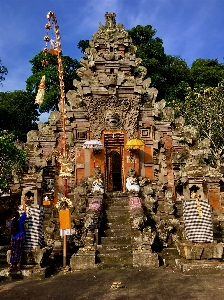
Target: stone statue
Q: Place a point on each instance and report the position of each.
(110, 20)
(97, 185)
(132, 184)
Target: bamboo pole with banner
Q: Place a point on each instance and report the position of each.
(65, 157)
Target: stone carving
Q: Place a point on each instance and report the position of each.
(54, 117)
(132, 184)
(97, 185)
(44, 128)
(150, 203)
(99, 90)
(112, 119)
(136, 213)
(163, 230)
(110, 20)
(148, 236)
(97, 108)
(32, 136)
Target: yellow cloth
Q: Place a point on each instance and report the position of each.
(64, 219)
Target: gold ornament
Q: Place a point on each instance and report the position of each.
(41, 91)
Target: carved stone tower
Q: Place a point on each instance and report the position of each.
(107, 105)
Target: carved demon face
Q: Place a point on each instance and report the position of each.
(112, 119)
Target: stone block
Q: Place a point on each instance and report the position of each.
(58, 244)
(192, 251)
(145, 258)
(27, 272)
(169, 255)
(33, 273)
(33, 256)
(83, 260)
(203, 267)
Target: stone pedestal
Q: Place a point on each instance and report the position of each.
(83, 260)
(169, 255)
(145, 258)
(203, 267)
(34, 256)
(191, 251)
(31, 256)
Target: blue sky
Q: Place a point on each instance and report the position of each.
(189, 28)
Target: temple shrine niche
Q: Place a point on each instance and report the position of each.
(130, 208)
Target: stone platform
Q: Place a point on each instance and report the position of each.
(27, 272)
(200, 267)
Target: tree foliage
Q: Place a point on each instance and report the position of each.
(18, 113)
(168, 73)
(171, 74)
(3, 71)
(150, 49)
(11, 157)
(204, 108)
(83, 44)
(206, 72)
(52, 94)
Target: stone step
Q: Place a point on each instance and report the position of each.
(116, 217)
(124, 218)
(115, 240)
(118, 225)
(116, 195)
(113, 248)
(117, 199)
(115, 265)
(122, 214)
(116, 202)
(116, 208)
(107, 258)
(117, 232)
(3, 257)
(3, 250)
(118, 253)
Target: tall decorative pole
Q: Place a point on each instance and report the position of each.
(65, 157)
(57, 50)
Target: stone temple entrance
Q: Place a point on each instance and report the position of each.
(114, 145)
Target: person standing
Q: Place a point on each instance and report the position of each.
(17, 238)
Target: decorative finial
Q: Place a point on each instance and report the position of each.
(110, 20)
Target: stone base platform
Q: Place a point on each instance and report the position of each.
(27, 272)
(145, 258)
(83, 260)
(202, 267)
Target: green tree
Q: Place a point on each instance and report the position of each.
(18, 113)
(52, 94)
(169, 74)
(11, 157)
(204, 108)
(177, 79)
(83, 44)
(150, 49)
(3, 71)
(206, 72)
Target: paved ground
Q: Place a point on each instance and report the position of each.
(143, 284)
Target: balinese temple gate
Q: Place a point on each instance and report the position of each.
(139, 195)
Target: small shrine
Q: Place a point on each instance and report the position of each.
(141, 190)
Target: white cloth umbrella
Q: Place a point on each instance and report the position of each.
(93, 144)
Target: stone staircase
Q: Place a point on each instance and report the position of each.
(115, 249)
(3, 260)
